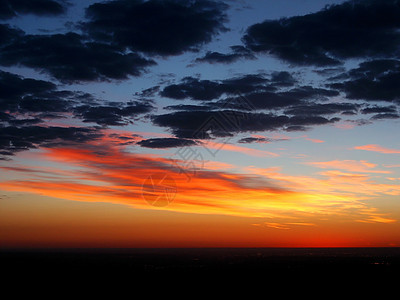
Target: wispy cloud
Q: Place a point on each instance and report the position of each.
(239, 149)
(377, 148)
(315, 140)
(361, 166)
(109, 173)
(283, 225)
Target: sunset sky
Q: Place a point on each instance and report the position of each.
(199, 123)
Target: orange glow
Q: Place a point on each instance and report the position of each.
(104, 172)
(114, 176)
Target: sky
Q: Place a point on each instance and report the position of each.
(199, 123)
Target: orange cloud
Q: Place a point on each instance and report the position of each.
(283, 225)
(112, 175)
(377, 148)
(109, 173)
(358, 186)
(375, 217)
(315, 140)
(362, 166)
(312, 140)
(239, 149)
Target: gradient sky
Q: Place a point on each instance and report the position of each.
(199, 123)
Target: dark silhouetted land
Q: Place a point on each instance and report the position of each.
(207, 261)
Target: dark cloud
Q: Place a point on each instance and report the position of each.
(310, 120)
(166, 143)
(254, 86)
(205, 125)
(329, 71)
(6, 118)
(24, 122)
(117, 33)
(296, 128)
(26, 104)
(26, 95)
(54, 102)
(261, 100)
(196, 89)
(245, 81)
(70, 58)
(32, 104)
(13, 8)
(258, 91)
(386, 116)
(360, 122)
(376, 80)
(247, 93)
(189, 107)
(251, 139)
(13, 87)
(112, 115)
(353, 29)
(274, 100)
(9, 34)
(124, 140)
(14, 139)
(283, 78)
(309, 92)
(158, 27)
(379, 109)
(322, 109)
(193, 88)
(150, 92)
(237, 53)
(31, 97)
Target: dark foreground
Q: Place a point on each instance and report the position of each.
(208, 262)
